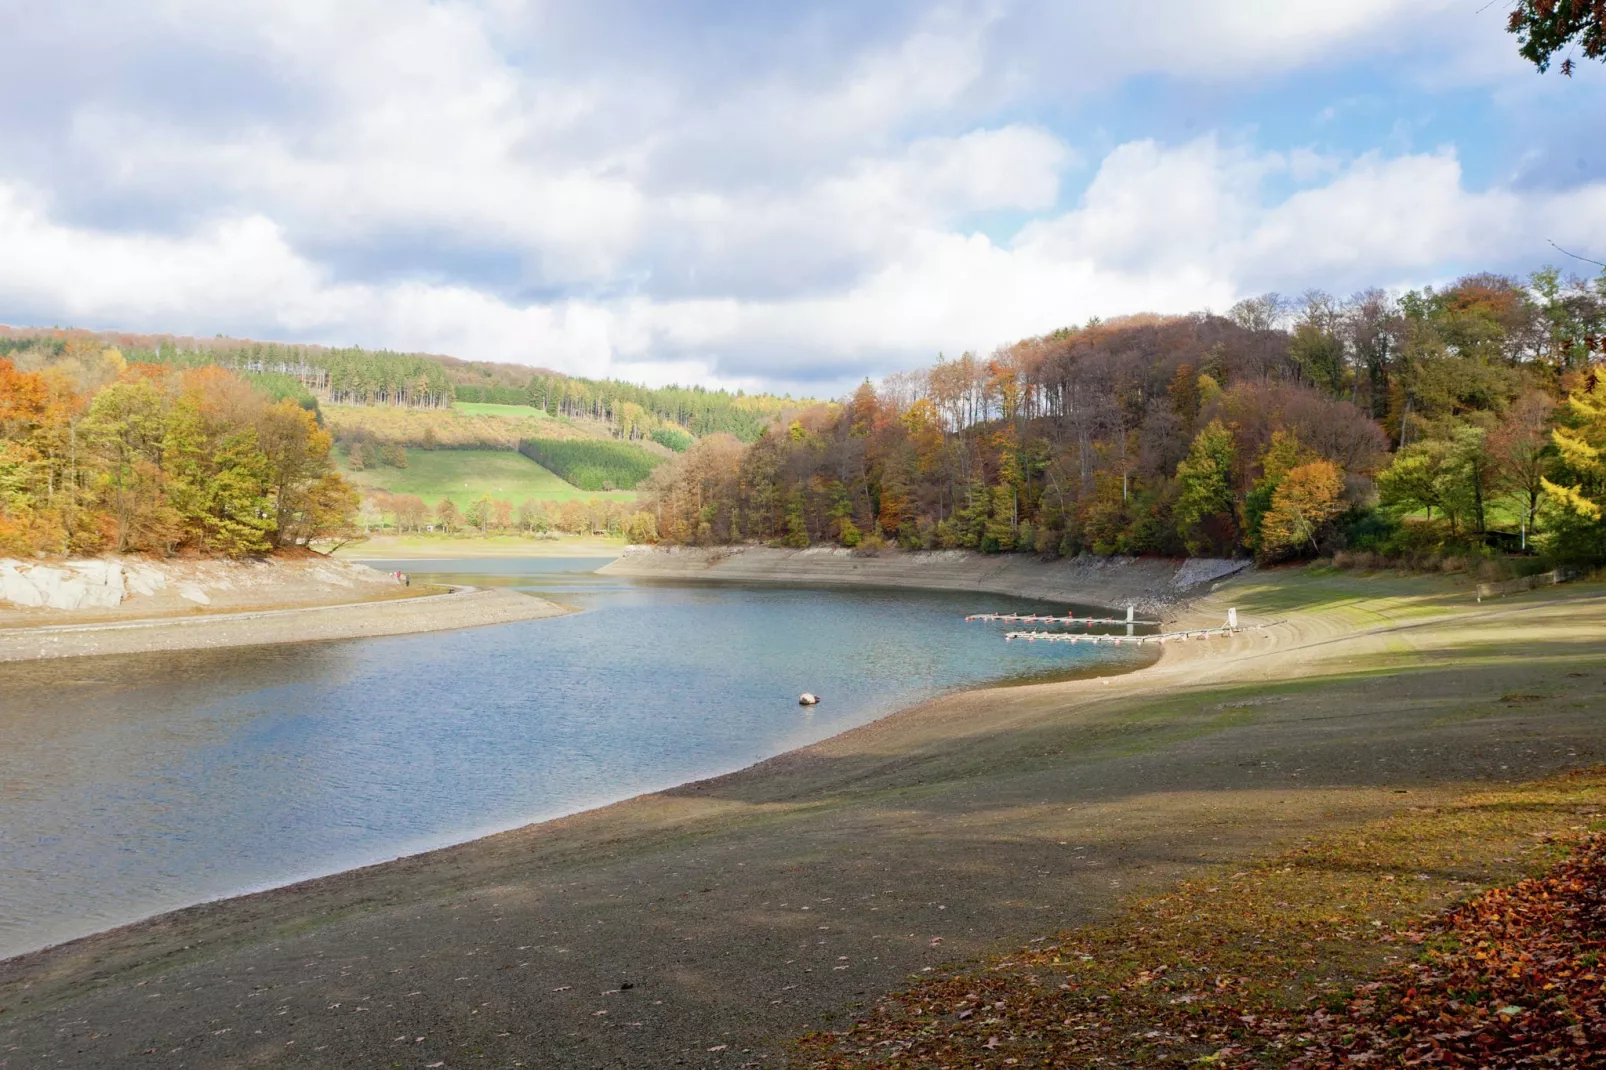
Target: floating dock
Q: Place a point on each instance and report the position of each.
(1139, 640)
(1034, 618)
(1229, 629)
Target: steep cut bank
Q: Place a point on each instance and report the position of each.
(1153, 585)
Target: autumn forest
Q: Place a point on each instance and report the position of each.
(1461, 423)
(1453, 422)
(97, 453)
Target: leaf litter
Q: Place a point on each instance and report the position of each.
(1367, 947)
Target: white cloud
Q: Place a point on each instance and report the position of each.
(811, 207)
(1168, 229)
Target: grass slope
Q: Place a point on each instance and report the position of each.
(487, 408)
(466, 475)
(592, 465)
(464, 426)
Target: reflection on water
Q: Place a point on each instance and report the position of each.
(130, 785)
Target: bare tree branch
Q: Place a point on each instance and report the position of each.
(1575, 256)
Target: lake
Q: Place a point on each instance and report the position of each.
(135, 785)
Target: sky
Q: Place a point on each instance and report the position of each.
(789, 197)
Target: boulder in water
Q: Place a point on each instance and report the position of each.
(808, 698)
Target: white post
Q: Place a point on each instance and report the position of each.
(1232, 617)
(1129, 614)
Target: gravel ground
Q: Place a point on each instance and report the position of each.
(709, 925)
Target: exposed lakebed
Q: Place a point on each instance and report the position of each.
(132, 785)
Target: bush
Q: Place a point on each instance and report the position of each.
(871, 544)
(1372, 530)
(642, 527)
(673, 438)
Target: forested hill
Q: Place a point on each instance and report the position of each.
(1442, 422)
(354, 376)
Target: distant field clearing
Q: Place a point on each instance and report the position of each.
(465, 476)
(486, 408)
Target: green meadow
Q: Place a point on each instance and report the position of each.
(464, 476)
(486, 408)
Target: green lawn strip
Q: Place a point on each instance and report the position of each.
(1225, 970)
(1375, 598)
(464, 476)
(486, 408)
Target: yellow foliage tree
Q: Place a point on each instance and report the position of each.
(1583, 452)
(1307, 498)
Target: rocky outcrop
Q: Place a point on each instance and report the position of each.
(113, 583)
(89, 584)
(401, 616)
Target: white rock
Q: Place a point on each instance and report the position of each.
(103, 595)
(325, 576)
(16, 588)
(46, 581)
(90, 569)
(194, 594)
(145, 580)
(70, 593)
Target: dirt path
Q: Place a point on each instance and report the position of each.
(708, 925)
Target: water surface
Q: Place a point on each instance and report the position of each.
(133, 785)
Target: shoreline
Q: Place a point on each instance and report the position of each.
(447, 611)
(886, 813)
(1099, 671)
(1152, 585)
(691, 565)
(454, 548)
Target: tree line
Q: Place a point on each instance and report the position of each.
(496, 516)
(664, 414)
(374, 378)
(1440, 421)
(101, 453)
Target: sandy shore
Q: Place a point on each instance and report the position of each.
(357, 620)
(1153, 585)
(709, 925)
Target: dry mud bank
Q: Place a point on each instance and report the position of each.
(710, 924)
(1151, 584)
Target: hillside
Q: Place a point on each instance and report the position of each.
(356, 377)
(1455, 427)
(465, 476)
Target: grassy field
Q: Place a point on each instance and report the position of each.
(486, 408)
(466, 426)
(466, 475)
